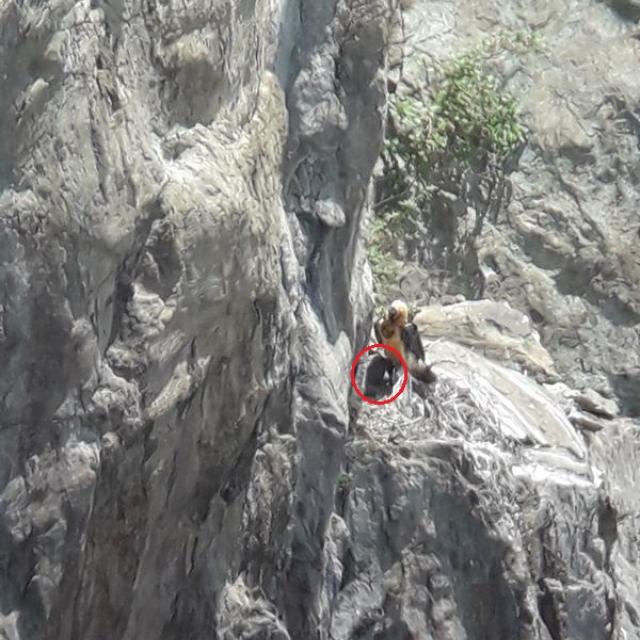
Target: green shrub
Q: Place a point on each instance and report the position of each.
(471, 117)
(463, 120)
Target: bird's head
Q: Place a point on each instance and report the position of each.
(398, 312)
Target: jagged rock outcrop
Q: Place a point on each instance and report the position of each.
(181, 289)
(183, 285)
(497, 507)
(562, 246)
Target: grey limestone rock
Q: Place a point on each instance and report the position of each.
(563, 247)
(482, 512)
(184, 190)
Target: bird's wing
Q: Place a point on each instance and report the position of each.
(411, 340)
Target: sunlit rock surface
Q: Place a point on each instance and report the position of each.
(494, 329)
(482, 511)
(563, 247)
(183, 286)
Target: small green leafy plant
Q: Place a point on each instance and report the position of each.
(465, 120)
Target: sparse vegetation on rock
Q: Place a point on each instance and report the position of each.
(462, 120)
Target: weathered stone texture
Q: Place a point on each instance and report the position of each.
(183, 284)
(563, 247)
(183, 190)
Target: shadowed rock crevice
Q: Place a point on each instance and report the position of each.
(626, 385)
(547, 609)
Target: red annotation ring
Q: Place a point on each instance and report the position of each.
(398, 356)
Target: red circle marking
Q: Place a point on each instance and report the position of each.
(405, 372)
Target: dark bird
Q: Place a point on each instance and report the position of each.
(395, 330)
(379, 376)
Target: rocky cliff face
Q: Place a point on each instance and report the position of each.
(183, 286)
(562, 243)
(497, 507)
(184, 188)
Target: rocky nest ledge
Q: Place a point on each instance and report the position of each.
(496, 507)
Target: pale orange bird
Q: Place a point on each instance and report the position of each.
(395, 330)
